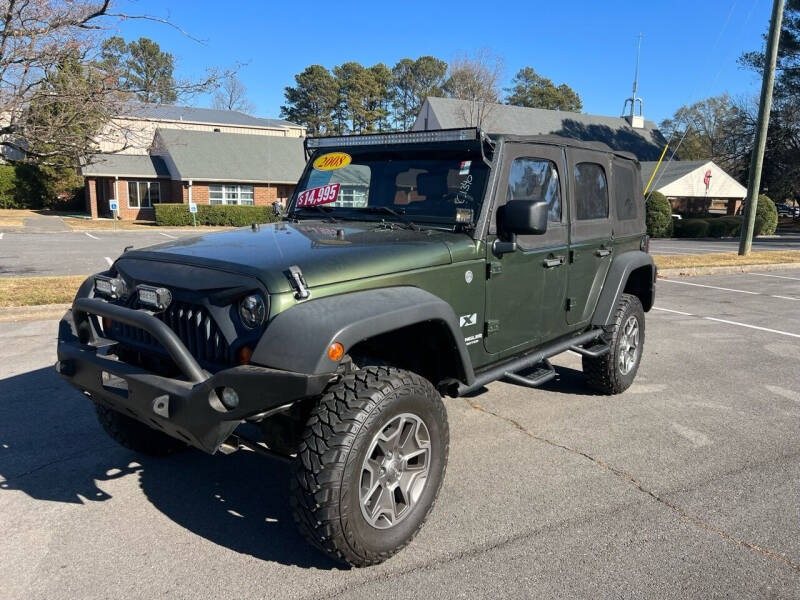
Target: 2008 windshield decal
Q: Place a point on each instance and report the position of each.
(318, 195)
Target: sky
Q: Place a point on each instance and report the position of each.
(688, 53)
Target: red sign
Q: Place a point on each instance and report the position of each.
(707, 179)
(319, 195)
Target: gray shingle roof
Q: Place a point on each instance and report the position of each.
(212, 156)
(669, 172)
(125, 165)
(646, 143)
(194, 114)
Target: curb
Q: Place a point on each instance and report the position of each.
(39, 312)
(694, 271)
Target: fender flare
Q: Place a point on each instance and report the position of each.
(617, 278)
(297, 339)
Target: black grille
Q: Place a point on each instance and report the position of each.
(193, 324)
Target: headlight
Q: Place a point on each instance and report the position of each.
(252, 310)
(110, 287)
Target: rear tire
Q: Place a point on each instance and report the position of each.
(370, 464)
(614, 372)
(134, 435)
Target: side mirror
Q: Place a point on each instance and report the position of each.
(277, 209)
(523, 217)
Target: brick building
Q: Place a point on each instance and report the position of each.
(205, 167)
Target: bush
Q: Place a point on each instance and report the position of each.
(8, 187)
(766, 216)
(659, 216)
(692, 228)
(729, 226)
(236, 216)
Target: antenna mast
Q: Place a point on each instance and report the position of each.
(634, 100)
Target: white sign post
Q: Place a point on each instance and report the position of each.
(193, 210)
(114, 206)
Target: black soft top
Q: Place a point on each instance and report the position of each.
(557, 140)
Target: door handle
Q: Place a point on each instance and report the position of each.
(553, 262)
(603, 251)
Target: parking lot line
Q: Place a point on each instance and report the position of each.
(1, 236)
(776, 276)
(713, 287)
(91, 236)
(173, 237)
(727, 322)
(109, 261)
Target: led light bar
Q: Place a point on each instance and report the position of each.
(110, 287)
(157, 298)
(410, 137)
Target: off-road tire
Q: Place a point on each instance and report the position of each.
(134, 435)
(603, 373)
(326, 483)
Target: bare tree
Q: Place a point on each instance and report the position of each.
(54, 95)
(476, 80)
(232, 95)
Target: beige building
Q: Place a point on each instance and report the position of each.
(132, 132)
(695, 187)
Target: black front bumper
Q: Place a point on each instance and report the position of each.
(185, 408)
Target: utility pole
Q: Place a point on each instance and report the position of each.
(760, 142)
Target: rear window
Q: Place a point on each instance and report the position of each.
(624, 198)
(591, 191)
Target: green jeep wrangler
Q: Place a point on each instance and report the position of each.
(406, 267)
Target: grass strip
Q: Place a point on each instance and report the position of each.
(30, 291)
(725, 259)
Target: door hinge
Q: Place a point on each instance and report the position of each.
(570, 303)
(492, 326)
(494, 268)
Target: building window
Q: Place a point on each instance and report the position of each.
(536, 179)
(143, 194)
(230, 194)
(591, 192)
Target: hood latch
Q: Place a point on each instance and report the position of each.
(298, 283)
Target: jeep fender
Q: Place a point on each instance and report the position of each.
(298, 338)
(617, 280)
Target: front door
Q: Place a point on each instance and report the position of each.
(592, 239)
(525, 289)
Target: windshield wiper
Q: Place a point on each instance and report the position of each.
(379, 208)
(319, 208)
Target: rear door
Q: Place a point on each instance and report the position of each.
(591, 246)
(525, 289)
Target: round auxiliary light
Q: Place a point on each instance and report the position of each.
(252, 310)
(335, 351)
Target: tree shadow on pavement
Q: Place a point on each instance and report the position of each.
(52, 449)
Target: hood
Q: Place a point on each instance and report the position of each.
(325, 252)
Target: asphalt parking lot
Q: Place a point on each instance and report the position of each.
(687, 485)
(784, 241)
(36, 254)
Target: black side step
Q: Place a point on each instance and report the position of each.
(541, 375)
(594, 351)
(525, 361)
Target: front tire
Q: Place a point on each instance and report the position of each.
(614, 372)
(370, 464)
(134, 435)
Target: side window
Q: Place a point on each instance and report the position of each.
(536, 179)
(591, 191)
(624, 198)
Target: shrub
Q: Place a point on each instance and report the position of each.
(691, 228)
(236, 216)
(766, 216)
(8, 187)
(728, 226)
(659, 216)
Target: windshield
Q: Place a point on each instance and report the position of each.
(434, 185)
